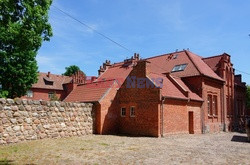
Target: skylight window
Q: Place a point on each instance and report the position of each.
(178, 68)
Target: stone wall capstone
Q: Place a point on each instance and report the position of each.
(22, 119)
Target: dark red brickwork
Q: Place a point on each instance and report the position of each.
(149, 97)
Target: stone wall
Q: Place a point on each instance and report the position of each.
(22, 120)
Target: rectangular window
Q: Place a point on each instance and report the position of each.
(123, 112)
(29, 93)
(209, 105)
(51, 94)
(215, 106)
(132, 111)
(179, 67)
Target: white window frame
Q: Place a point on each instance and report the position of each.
(132, 114)
(123, 115)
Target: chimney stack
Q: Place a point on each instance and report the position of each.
(48, 75)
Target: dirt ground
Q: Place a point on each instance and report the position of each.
(221, 148)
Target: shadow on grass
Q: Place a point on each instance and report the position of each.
(6, 162)
(237, 138)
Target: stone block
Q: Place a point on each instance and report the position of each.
(16, 128)
(10, 101)
(13, 121)
(18, 101)
(16, 114)
(2, 101)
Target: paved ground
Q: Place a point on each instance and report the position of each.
(222, 148)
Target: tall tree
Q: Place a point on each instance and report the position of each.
(23, 26)
(72, 69)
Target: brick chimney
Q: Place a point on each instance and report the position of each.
(131, 60)
(104, 67)
(48, 75)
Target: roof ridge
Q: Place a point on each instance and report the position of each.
(101, 81)
(167, 54)
(212, 56)
(179, 86)
(192, 60)
(217, 78)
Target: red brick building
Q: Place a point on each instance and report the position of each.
(178, 92)
(51, 85)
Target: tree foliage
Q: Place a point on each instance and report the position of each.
(23, 27)
(248, 97)
(72, 69)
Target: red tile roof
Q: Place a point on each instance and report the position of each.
(195, 64)
(91, 92)
(174, 87)
(54, 81)
(116, 71)
(203, 68)
(213, 62)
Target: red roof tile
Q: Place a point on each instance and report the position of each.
(89, 92)
(195, 64)
(213, 62)
(202, 66)
(54, 81)
(174, 88)
(116, 71)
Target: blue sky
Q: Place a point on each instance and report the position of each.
(147, 27)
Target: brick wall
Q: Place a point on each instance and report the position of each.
(212, 123)
(175, 118)
(43, 94)
(108, 112)
(22, 120)
(145, 102)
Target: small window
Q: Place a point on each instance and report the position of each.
(132, 111)
(123, 112)
(29, 93)
(51, 95)
(179, 67)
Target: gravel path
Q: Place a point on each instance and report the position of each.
(221, 148)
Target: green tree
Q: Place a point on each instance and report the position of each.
(248, 97)
(23, 27)
(72, 69)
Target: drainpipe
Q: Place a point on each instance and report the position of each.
(162, 116)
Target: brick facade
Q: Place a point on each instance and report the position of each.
(173, 93)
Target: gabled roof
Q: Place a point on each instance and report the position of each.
(195, 65)
(91, 92)
(203, 68)
(55, 81)
(213, 62)
(174, 87)
(116, 71)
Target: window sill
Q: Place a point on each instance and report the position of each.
(215, 116)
